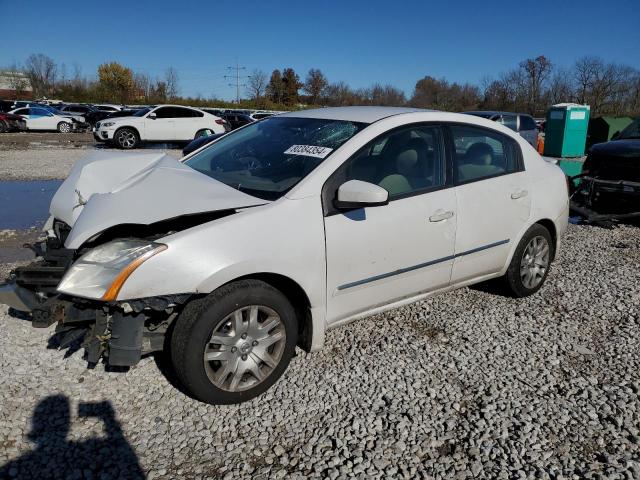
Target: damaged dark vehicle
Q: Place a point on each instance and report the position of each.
(609, 186)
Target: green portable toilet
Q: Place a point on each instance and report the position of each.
(566, 130)
(601, 129)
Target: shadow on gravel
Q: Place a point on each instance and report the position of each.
(108, 456)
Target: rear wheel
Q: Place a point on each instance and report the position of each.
(205, 132)
(126, 138)
(531, 261)
(64, 127)
(235, 343)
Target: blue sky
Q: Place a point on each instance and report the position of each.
(359, 42)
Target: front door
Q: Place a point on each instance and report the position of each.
(378, 255)
(162, 127)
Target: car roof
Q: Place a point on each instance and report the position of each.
(494, 112)
(353, 114)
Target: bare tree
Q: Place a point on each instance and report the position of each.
(561, 88)
(537, 71)
(41, 70)
(314, 85)
(171, 81)
(256, 85)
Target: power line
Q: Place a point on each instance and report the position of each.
(237, 77)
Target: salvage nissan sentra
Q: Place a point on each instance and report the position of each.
(262, 240)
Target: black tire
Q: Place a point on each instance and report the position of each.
(126, 138)
(64, 127)
(202, 317)
(3, 127)
(513, 279)
(205, 132)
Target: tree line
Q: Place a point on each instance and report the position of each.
(531, 86)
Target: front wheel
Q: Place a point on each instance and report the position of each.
(232, 345)
(531, 261)
(64, 127)
(126, 138)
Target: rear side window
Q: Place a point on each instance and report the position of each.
(527, 123)
(481, 153)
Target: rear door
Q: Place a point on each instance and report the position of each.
(186, 122)
(493, 200)
(161, 128)
(378, 255)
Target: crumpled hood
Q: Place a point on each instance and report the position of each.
(106, 189)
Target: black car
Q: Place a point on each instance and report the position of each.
(125, 112)
(199, 142)
(237, 120)
(609, 185)
(90, 114)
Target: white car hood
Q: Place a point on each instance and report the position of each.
(106, 189)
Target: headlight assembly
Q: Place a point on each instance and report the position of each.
(107, 124)
(100, 273)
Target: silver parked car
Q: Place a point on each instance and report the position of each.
(522, 123)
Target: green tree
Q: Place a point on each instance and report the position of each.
(291, 85)
(275, 88)
(116, 82)
(315, 85)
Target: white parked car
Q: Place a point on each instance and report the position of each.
(262, 240)
(164, 123)
(43, 119)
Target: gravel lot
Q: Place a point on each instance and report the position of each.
(46, 156)
(468, 384)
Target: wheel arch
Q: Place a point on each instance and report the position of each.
(300, 302)
(551, 227)
(130, 127)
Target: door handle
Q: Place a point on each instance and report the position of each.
(440, 215)
(519, 194)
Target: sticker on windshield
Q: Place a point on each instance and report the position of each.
(309, 151)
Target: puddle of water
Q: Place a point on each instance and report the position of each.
(25, 204)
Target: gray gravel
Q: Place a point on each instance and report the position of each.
(465, 385)
(47, 163)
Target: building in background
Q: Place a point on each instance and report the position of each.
(15, 85)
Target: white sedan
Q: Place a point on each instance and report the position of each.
(165, 123)
(43, 119)
(262, 240)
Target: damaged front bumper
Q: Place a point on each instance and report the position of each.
(18, 297)
(118, 333)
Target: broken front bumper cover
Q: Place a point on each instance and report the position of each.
(17, 297)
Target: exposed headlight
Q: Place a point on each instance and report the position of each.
(100, 273)
(107, 124)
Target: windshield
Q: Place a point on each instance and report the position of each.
(267, 158)
(141, 113)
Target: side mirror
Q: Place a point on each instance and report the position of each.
(359, 194)
(152, 115)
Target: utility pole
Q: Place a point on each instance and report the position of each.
(237, 78)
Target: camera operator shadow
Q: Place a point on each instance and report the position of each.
(55, 456)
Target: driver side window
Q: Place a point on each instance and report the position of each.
(403, 162)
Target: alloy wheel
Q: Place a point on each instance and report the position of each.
(244, 348)
(127, 139)
(535, 262)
